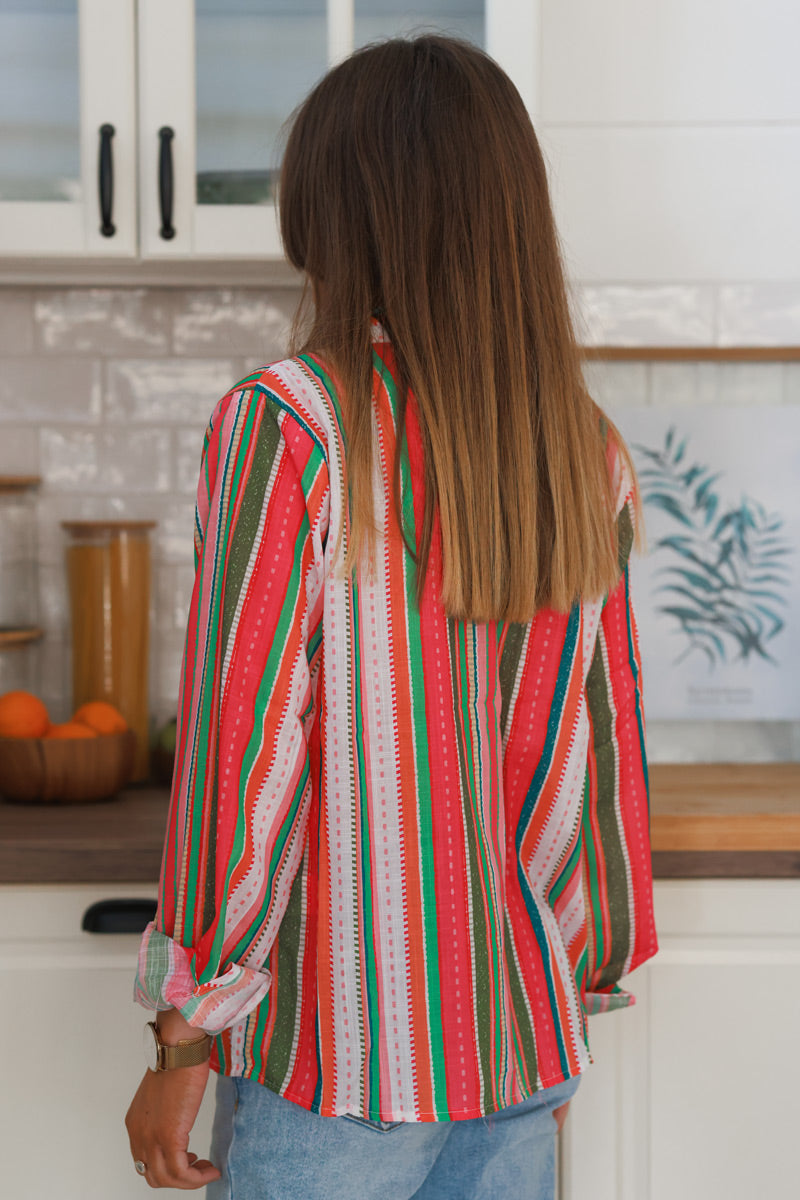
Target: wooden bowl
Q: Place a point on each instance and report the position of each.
(66, 770)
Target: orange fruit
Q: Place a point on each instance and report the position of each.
(23, 715)
(100, 716)
(71, 729)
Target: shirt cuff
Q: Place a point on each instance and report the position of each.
(166, 979)
(606, 1001)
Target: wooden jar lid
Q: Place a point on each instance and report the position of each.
(97, 528)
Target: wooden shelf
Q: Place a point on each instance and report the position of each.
(19, 483)
(693, 353)
(19, 637)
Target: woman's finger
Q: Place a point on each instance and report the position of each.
(177, 1171)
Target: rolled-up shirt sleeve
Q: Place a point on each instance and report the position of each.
(617, 867)
(241, 789)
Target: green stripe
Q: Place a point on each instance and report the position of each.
(592, 877)
(566, 873)
(598, 690)
(509, 665)
(285, 995)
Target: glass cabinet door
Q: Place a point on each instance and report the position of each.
(219, 78)
(375, 19)
(66, 73)
(255, 60)
(40, 119)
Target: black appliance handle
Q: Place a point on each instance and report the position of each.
(118, 916)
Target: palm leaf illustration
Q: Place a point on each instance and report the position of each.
(724, 575)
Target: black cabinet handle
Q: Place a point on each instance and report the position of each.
(165, 185)
(118, 916)
(105, 181)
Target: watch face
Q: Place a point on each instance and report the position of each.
(150, 1042)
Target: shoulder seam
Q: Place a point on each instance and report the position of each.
(268, 393)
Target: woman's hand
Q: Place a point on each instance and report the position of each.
(162, 1114)
(560, 1115)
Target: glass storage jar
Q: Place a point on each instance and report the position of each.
(19, 591)
(108, 573)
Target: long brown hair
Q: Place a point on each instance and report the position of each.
(413, 186)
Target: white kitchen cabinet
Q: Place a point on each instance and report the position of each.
(70, 1048)
(223, 76)
(67, 97)
(216, 80)
(693, 1091)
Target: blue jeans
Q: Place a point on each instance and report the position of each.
(269, 1148)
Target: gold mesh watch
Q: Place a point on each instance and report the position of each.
(161, 1057)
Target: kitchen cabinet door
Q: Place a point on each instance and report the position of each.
(70, 1048)
(693, 1091)
(219, 78)
(67, 111)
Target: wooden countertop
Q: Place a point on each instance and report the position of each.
(725, 819)
(706, 820)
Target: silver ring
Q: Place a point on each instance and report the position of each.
(140, 1166)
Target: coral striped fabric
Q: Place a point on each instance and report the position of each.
(406, 855)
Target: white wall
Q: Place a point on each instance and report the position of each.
(673, 131)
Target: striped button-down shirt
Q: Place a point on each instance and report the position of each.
(406, 854)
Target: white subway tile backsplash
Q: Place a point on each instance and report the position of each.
(102, 459)
(617, 382)
(69, 457)
(685, 382)
(38, 389)
(234, 321)
(642, 315)
(103, 321)
(173, 583)
(168, 670)
(16, 321)
(186, 454)
(135, 460)
(19, 450)
(175, 533)
(54, 597)
(175, 391)
(759, 314)
(751, 383)
(791, 382)
(720, 741)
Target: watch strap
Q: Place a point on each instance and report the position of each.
(185, 1053)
